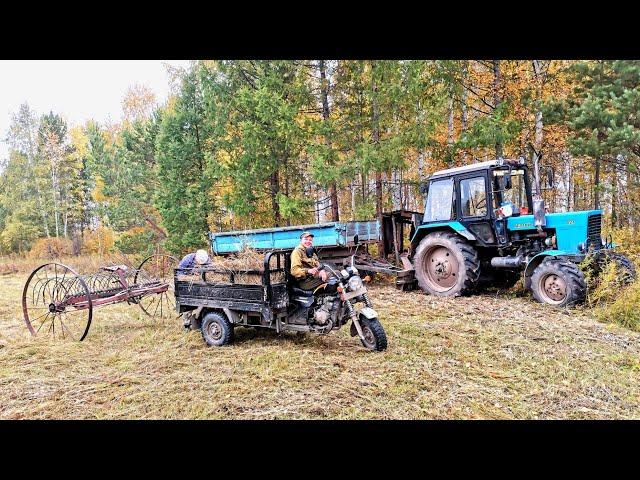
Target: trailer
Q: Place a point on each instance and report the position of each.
(335, 242)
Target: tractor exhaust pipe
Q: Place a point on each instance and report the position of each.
(507, 262)
(539, 210)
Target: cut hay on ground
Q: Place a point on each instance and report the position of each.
(487, 356)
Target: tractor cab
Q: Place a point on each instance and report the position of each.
(479, 198)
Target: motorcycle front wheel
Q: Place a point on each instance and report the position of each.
(375, 337)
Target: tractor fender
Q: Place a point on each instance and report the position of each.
(455, 227)
(537, 260)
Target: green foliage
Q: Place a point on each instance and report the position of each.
(183, 197)
(497, 128)
(365, 211)
(603, 286)
(293, 209)
(246, 144)
(140, 242)
(254, 107)
(625, 309)
(603, 111)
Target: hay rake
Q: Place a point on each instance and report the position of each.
(59, 302)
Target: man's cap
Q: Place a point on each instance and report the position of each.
(202, 257)
(306, 234)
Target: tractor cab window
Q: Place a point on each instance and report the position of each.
(473, 197)
(516, 195)
(439, 201)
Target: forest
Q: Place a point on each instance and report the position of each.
(258, 143)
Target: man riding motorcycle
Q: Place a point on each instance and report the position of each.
(305, 266)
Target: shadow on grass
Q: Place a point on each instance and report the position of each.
(248, 337)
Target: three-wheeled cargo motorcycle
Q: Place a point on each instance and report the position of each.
(216, 306)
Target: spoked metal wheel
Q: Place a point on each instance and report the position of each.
(57, 303)
(158, 270)
(441, 267)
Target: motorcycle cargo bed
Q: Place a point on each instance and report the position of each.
(236, 296)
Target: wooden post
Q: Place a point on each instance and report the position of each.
(395, 239)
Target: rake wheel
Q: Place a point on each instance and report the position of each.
(157, 269)
(56, 302)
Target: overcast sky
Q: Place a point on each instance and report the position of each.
(78, 90)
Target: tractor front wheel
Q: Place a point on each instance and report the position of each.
(559, 283)
(624, 267)
(446, 265)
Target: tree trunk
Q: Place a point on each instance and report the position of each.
(497, 98)
(35, 182)
(464, 120)
(275, 189)
(596, 185)
(463, 106)
(450, 121)
(614, 196)
(539, 125)
(569, 182)
(352, 190)
(375, 121)
(324, 91)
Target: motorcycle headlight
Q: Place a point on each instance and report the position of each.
(355, 283)
(344, 273)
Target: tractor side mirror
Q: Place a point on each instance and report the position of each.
(424, 187)
(550, 176)
(356, 239)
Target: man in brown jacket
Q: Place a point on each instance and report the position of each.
(304, 267)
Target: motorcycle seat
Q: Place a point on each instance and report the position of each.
(301, 292)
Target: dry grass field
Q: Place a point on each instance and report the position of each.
(492, 356)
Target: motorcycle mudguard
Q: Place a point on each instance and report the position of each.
(353, 331)
(369, 313)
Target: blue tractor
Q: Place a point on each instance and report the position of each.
(482, 227)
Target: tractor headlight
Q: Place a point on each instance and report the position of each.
(355, 283)
(582, 247)
(550, 242)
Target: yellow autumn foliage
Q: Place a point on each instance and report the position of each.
(98, 241)
(49, 248)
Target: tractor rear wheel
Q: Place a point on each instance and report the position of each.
(446, 265)
(559, 283)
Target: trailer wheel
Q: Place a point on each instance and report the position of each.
(559, 283)
(216, 329)
(446, 265)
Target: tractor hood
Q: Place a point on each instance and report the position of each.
(571, 228)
